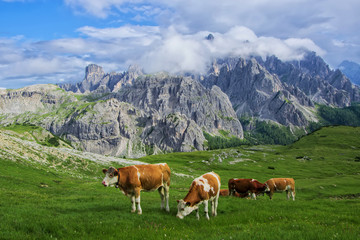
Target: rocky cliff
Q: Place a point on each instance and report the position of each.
(284, 92)
(148, 114)
(254, 91)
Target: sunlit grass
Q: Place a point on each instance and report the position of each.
(40, 203)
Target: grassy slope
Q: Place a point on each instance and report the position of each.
(37, 203)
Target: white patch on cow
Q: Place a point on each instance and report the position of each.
(253, 180)
(200, 181)
(138, 172)
(162, 164)
(137, 201)
(108, 181)
(218, 180)
(184, 210)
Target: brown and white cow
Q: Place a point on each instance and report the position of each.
(280, 185)
(245, 186)
(202, 190)
(133, 179)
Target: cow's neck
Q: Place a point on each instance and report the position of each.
(192, 197)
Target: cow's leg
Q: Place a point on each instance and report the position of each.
(197, 213)
(253, 195)
(287, 194)
(293, 195)
(270, 195)
(162, 196)
(206, 209)
(133, 207)
(166, 192)
(215, 205)
(137, 200)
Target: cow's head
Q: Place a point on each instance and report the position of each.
(184, 208)
(267, 189)
(110, 176)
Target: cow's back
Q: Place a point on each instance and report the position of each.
(213, 181)
(205, 187)
(153, 176)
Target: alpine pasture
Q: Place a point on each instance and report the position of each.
(68, 201)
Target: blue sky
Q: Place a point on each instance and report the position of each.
(52, 41)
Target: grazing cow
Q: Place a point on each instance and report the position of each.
(225, 192)
(133, 179)
(245, 186)
(280, 185)
(202, 190)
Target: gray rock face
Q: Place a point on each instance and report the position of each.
(314, 77)
(162, 95)
(160, 113)
(253, 91)
(96, 81)
(284, 92)
(32, 99)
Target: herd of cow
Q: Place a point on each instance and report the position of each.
(133, 179)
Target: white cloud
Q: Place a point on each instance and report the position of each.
(192, 52)
(155, 49)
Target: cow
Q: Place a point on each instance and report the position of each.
(202, 190)
(280, 185)
(245, 186)
(225, 192)
(133, 179)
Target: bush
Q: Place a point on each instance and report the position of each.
(216, 142)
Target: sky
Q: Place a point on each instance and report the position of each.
(52, 41)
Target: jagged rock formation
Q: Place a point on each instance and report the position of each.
(284, 92)
(314, 77)
(97, 81)
(253, 91)
(148, 114)
(160, 95)
(131, 114)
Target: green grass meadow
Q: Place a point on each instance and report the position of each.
(41, 203)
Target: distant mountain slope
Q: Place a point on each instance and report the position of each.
(269, 89)
(152, 114)
(29, 144)
(351, 70)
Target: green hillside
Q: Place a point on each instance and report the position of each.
(42, 201)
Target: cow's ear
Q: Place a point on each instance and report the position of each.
(178, 201)
(104, 170)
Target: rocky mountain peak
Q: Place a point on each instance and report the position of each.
(93, 69)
